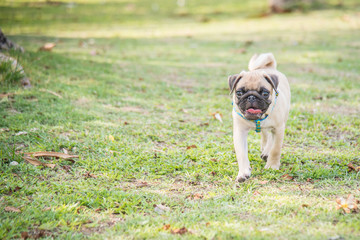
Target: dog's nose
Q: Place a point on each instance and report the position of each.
(251, 98)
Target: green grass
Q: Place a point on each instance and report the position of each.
(10, 73)
(150, 74)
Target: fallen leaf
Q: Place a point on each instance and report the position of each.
(159, 208)
(3, 95)
(305, 205)
(11, 191)
(310, 180)
(132, 109)
(263, 182)
(21, 133)
(256, 193)
(24, 235)
(65, 151)
(4, 130)
(198, 196)
(142, 184)
(287, 177)
(195, 196)
(89, 175)
(192, 146)
(36, 234)
(47, 209)
(51, 154)
(217, 116)
(213, 160)
(180, 231)
(37, 162)
(352, 167)
(166, 226)
(50, 165)
(111, 138)
(207, 224)
(241, 50)
(51, 92)
(347, 205)
(47, 47)
(81, 208)
(12, 209)
(67, 168)
(318, 98)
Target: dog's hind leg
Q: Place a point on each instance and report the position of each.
(266, 144)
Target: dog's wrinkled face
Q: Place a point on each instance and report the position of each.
(253, 91)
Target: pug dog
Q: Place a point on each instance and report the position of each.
(261, 102)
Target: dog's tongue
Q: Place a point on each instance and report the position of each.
(254, 111)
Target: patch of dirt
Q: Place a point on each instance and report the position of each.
(340, 110)
(179, 189)
(83, 101)
(181, 82)
(323, 107)
(111, 107)
(338, 135)
(102, 226)
(37, 233)
(246, 216)
(134, 109)
(311, 68)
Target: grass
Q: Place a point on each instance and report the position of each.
(10, 73)
(150, 73)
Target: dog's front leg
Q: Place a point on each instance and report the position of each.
(273, 160)
(241, 150)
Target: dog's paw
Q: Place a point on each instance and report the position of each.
(274, 166)
(264, 157)
(241, 177)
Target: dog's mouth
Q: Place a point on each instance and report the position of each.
(253, 113)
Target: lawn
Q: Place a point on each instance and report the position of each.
(131, 86)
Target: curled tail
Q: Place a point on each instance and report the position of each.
(264, 60)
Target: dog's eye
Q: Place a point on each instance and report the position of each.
(265, 94)
(239, 93)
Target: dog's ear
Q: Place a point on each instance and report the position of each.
(273, 80)
(233, 80)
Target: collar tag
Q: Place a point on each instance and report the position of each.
(257, 125)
